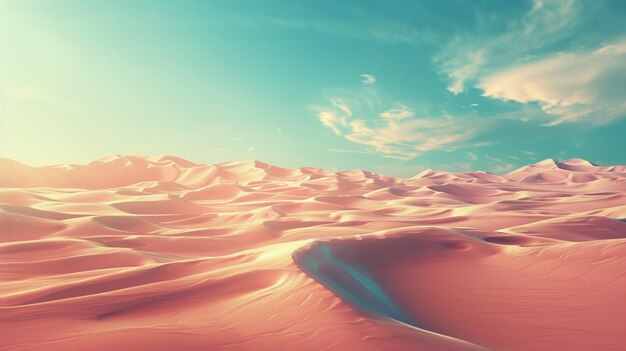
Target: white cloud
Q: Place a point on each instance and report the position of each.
(583, 86)
(461, 73)
(395, 133)
(368, 79)
(472, 156)
(398, 113)
(468, 56)
(332, 121)
(342, 106)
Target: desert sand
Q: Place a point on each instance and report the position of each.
(160, 253)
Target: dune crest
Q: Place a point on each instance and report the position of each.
(161, 253)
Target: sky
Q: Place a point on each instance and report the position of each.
(393, 87)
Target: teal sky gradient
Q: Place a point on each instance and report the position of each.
(392, 87)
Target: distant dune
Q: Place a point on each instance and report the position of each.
(160, 253)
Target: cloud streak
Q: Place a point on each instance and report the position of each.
(394, 133)
(469, 56)
(460, 74)
(368, 79)
(397, 113)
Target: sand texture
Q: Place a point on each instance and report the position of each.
(159, 253)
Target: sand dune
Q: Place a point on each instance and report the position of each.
(160, 253)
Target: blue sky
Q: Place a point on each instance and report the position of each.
(392, 87)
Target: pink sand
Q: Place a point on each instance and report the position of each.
(132, 253)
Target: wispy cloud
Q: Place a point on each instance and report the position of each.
(401, 112)
(348, 151)
(356, 24)
(340, 104)
(470, 55)
(394, 133)
(459, 73)
(502, 168)
(577, 86)
(368, 79)
(493, 159)
(331, 120)
(343, 20)
(498, 165)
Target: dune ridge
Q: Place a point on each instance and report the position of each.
(161, 253)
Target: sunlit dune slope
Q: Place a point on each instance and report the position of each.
(160, 253)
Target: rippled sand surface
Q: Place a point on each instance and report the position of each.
(132, 253)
